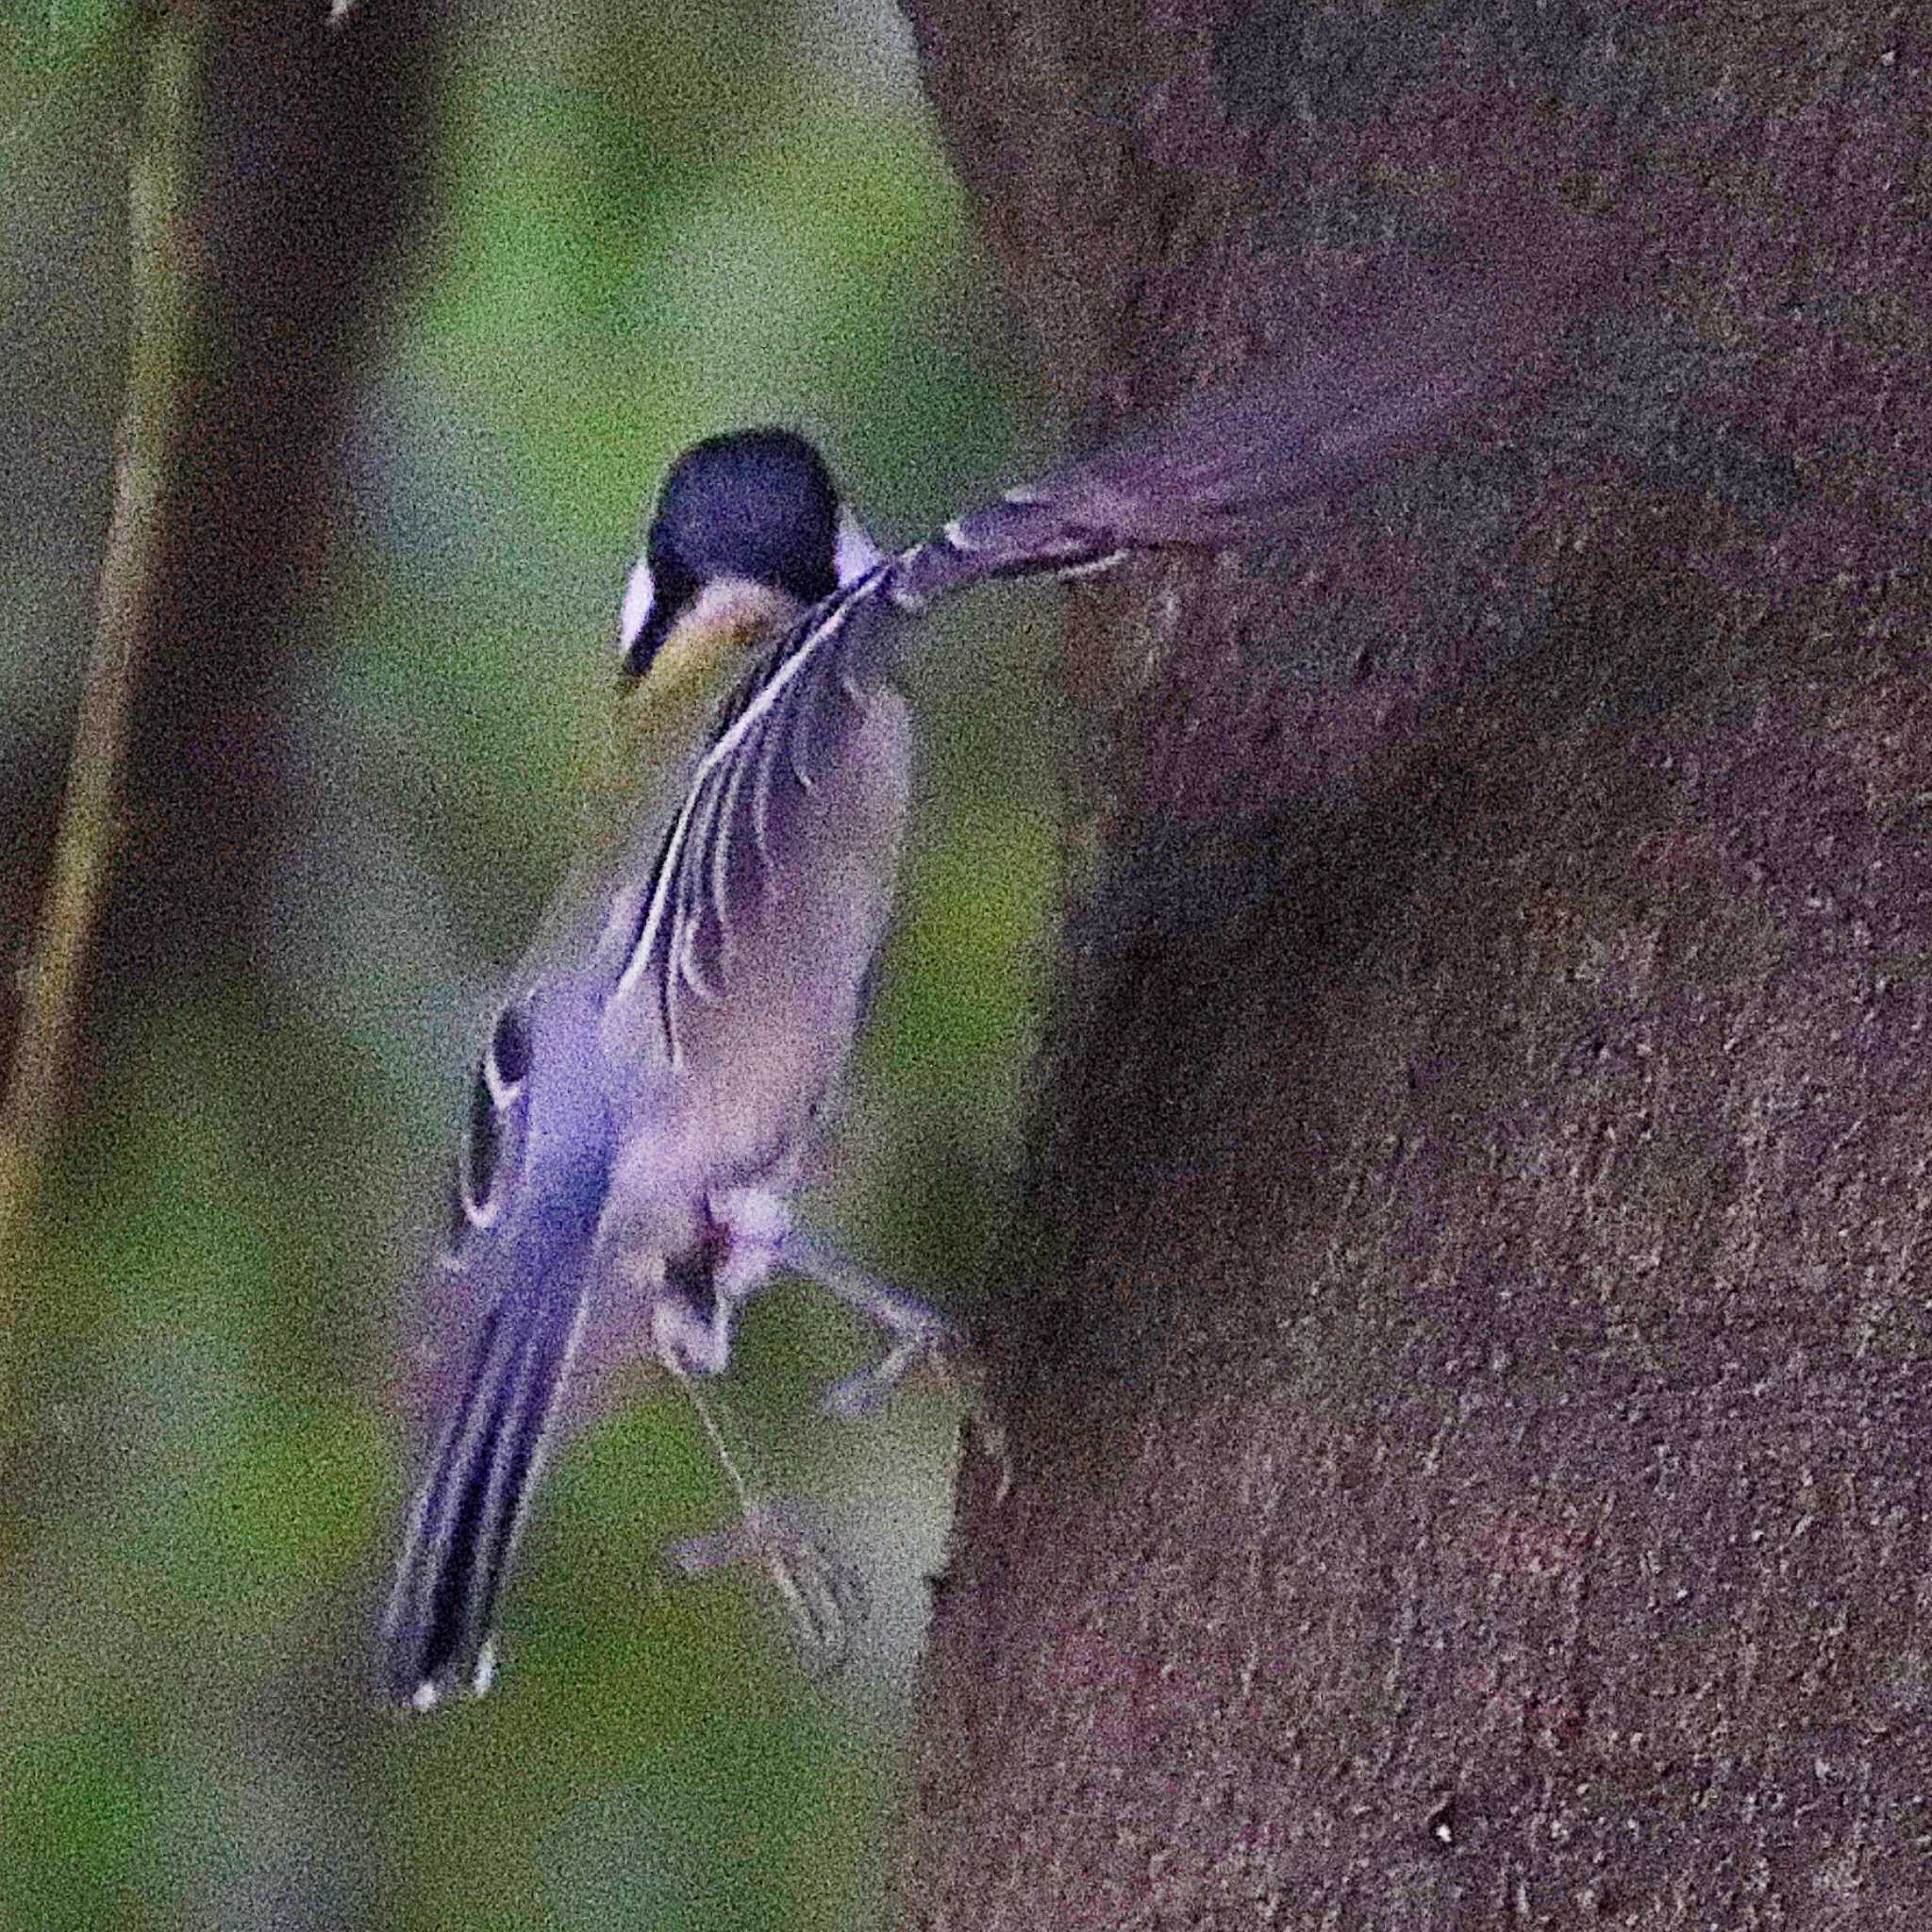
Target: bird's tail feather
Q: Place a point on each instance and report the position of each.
(462, 1531)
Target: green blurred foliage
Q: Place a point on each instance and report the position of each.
(650, 224)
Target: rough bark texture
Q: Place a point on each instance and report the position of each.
(1465, 1357)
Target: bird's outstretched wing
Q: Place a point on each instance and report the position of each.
(1252, 460)
(1247, 461)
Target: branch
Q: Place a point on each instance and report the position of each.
(54, 977)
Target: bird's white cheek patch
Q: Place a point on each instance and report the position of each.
(639, 595)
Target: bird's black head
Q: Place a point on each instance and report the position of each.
(756, 506)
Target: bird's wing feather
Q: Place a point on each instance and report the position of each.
(742, 825)
(1254, 458)
(1248, 462)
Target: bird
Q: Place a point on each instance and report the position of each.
(658, 1067)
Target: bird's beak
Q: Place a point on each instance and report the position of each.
(856, 553)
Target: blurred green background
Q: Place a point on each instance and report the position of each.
(646, 224)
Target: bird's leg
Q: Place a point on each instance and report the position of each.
(824, 1593)
(693, 1299)
(915, 1331)
(756, 1236)
(753, 1237)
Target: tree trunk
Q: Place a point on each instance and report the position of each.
(308, 179)
(1463, 1348)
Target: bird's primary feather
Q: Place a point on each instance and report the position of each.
(643, 1107)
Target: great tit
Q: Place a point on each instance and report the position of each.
(656, 1072)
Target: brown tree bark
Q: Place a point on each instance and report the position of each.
(1463, 1350)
